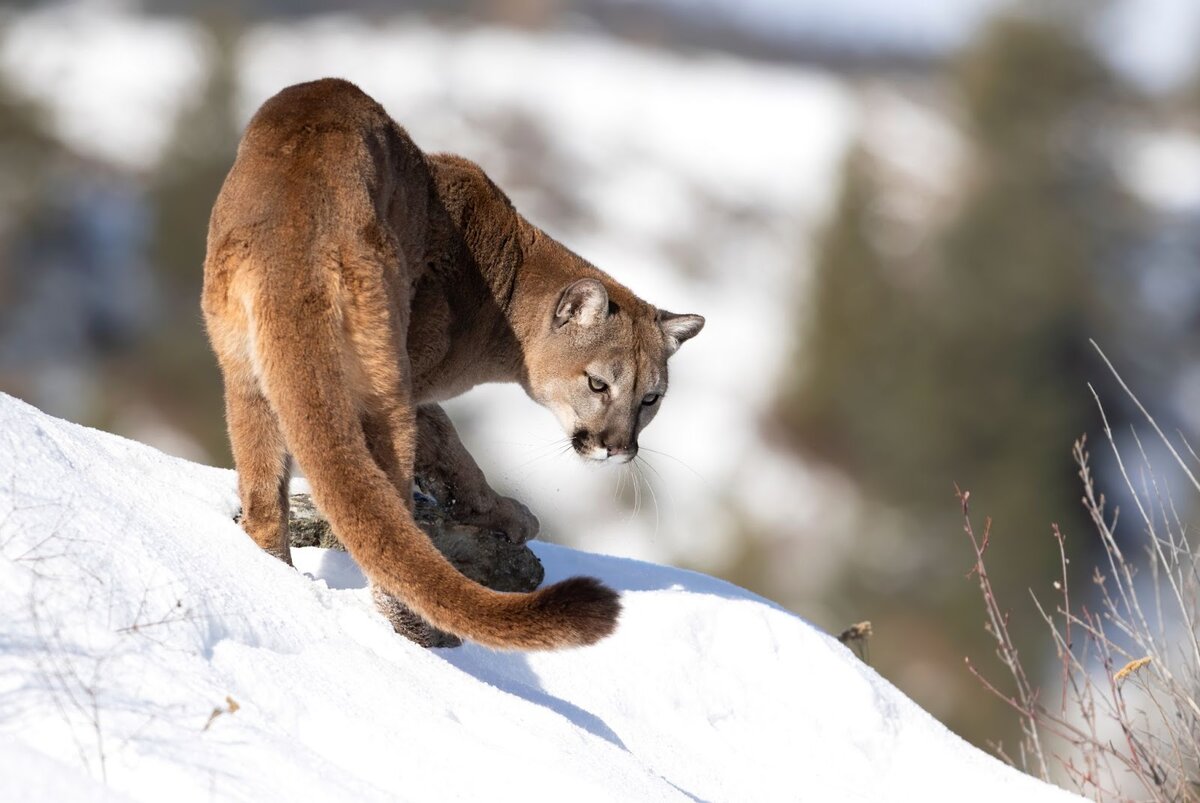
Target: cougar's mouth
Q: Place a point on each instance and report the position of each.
(598, 452)
(579, 441)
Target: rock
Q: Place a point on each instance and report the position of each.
(307, 527)
(488, 558)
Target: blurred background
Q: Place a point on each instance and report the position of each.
(903, 222)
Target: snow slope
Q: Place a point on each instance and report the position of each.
(134, 608)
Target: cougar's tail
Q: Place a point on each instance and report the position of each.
(298, 352)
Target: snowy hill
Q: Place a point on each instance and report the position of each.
(149, 651)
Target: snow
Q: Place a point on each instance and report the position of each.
(134, 608)
(932, 26)
(113, 84)
(1153, 42)
(712, 117)
(1163, 169)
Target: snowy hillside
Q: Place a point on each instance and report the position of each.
(148, 646)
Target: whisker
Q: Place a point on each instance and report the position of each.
(559, 446)
(552, 449)
(619, 486)
(637, 491)
(653, 498)
(530, 464)
(699, 476)
(666, 485)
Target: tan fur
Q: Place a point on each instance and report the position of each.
(351, 283)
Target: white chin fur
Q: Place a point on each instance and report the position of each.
(601, 456)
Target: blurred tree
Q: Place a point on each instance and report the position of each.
(74, 287)
(26, 145)
(26, 150)
(177, 361)
(865, 318)
(974, 369)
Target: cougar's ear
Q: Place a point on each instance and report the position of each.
(679, 328)
(584, 301)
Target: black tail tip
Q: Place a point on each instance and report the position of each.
(586, 608)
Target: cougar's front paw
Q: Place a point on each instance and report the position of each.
(509, 517)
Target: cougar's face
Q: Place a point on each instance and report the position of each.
(602, 370)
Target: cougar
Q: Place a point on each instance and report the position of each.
(351, 283)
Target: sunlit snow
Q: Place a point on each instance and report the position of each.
(135, 608)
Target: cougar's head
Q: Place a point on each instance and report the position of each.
(601, 367)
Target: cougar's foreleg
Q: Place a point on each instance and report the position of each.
(442, 457)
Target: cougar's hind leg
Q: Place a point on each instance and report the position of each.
(391, 436)
(390, 428)
(263, 466)
(376, 325)
(384, 425)
(389, 420)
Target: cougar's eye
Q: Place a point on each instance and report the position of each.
(651, 399)
(596, 384)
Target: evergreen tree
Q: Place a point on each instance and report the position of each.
(183, 189)
(977, 373)
(26, 150)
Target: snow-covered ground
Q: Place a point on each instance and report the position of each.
(134, 608)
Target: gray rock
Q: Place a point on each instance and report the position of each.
(307, 527)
